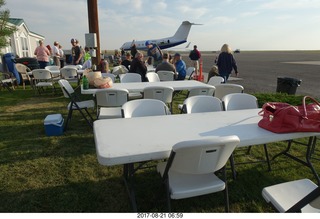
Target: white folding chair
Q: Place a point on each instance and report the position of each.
(43, 79)
(198, 90)
(110, 75)
(144, 107)
(109, 102)
(215, 80)
(295, 196)
(224, 89)
(162, 93)
(70, 74)
(153, 77)
(52, 67)
(75, 103)
(166, 75)
(201, 104)
(240, 101)
(120, 69)
(189, 72)
(129, 78)
(191, 168)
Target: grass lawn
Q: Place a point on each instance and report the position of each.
(62, 174)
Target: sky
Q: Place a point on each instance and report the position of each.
(243, 24)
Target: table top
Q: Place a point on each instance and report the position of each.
(121, 141)
(139, 86)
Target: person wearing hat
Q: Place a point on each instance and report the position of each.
(154, 52)
(56, 54)
(181, 67)
(76, 52)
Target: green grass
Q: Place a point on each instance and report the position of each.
(62, 174)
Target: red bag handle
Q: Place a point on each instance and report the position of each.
(304, 104)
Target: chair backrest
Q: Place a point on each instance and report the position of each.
(162, 93)
(239, 101)
(130, 77)
(165, 75)
(23, 70)
(68, 72)
(201, 90)
(120, 69)
(224, 89)
(204, 155)
(41, 74)
(66, 88)
(201, 104)
(112, 97)
(153, 77)
(144, 107)
(52, 67)
(215, 80)
(189, 72)
(110, 75)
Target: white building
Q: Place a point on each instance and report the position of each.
(23, 42)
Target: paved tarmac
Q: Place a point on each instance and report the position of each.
(259, 70)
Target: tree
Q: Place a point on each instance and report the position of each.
(5, 29)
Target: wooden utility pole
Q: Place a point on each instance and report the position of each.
(94, 27)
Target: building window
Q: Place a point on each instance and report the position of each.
(24, 47)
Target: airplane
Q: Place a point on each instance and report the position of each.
(186, 48)
(178, 38)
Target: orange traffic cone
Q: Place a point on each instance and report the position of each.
(200, 78)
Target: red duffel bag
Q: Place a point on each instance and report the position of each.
(283, 117)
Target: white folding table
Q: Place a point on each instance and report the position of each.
(139, 86)
(132, 140)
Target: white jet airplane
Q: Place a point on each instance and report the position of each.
(178, 38)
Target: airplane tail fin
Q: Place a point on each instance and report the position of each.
(183, 31)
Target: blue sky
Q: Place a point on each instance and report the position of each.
(244, 24)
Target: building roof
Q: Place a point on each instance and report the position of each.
(19, 22)
(16, 21)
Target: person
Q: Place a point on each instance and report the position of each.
(133, 50)
(76, 52)
(104, 64)
(87, 55)
(87, 64)
(127, 61)
(165, 65)
(181, 67)
(116, 58)
(155, 52)
(42, 54)
(56, 54)
(195, 55)
(122, 52)
(213, 72)
(226, 63)
(138, 65)
(61, 56)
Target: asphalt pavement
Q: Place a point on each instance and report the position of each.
(259, 70)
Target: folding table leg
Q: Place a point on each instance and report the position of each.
(310, 145)
(128, 171)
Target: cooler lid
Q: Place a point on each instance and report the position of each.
(53, 119)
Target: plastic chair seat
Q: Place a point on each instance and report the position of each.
(110, 113)
(284, 195)
(82, 104)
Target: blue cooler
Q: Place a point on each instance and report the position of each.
(53, 125)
